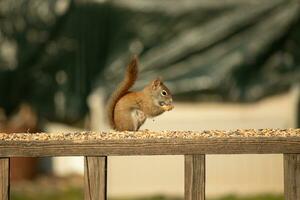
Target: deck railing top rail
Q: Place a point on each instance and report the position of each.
(192, 144)
(151, 143)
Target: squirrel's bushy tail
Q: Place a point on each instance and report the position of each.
(128, 81)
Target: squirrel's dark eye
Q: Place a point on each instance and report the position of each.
(164, 93)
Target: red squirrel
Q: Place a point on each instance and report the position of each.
(128, 110)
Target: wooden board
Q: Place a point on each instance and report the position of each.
(194, 175)
(4, 178)
(266, 141)
(292, 176)
(95, 178)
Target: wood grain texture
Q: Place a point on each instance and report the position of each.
(151, 147)
(194, 175)
(95, 178)
(264, 141)
(292, 176)
(4, 178)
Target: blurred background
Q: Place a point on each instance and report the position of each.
(229, 64)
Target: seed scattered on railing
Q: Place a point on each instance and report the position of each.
(147, 134)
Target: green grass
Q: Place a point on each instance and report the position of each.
(67, 194)
(71, 188)
(258, 197)
(77, 194)
(229, 197)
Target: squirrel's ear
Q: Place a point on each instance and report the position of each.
(156, 83)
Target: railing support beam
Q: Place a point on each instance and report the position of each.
(292, 176)
(4, 179)
(95, 177)
(194, 175)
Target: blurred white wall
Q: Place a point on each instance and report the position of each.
(241, 174)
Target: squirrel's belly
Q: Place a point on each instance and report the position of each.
(129, 120)
(138, 118)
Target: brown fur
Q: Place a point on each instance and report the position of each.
(127, 111)
(122, 89)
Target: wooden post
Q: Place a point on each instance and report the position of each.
(4, 178)
(292, 176)
(95, 178)
(194, 175)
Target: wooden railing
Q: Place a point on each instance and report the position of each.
(193, 145)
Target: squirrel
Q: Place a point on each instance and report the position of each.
(128, 110)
